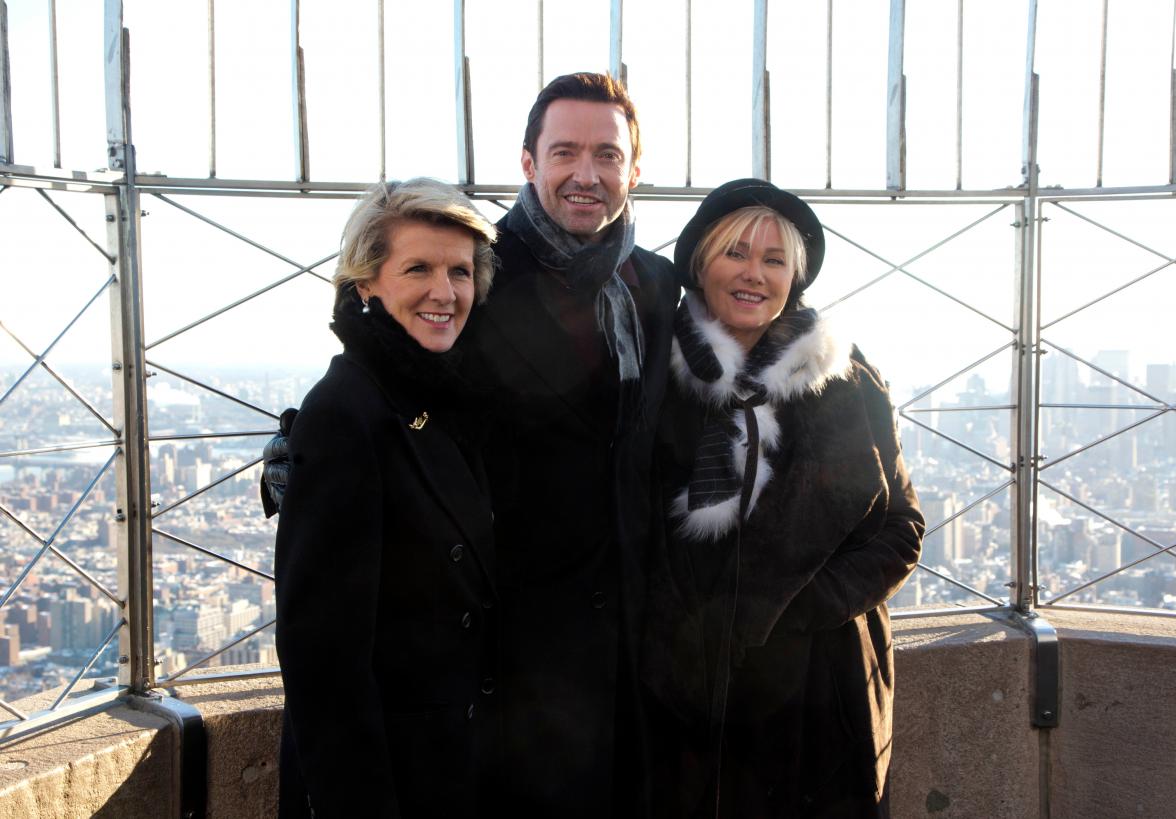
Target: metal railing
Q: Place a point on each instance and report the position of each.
(1021, 477)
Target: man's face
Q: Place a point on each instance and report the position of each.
(583, 166)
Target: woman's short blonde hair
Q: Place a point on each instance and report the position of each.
(724, 234)
(365, 245)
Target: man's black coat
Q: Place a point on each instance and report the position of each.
(570, 486)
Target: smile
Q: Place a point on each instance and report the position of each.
(577, 199)
(749, 298)
(436, 318)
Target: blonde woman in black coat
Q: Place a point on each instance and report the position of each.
(385, 558)
(790, 522)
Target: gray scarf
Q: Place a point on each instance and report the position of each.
(590, 269)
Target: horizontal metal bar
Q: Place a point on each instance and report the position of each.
(211, 553)
(212, 389)
(53, 343)
(205, 488)
(75, 225)
(78, 445)
(61, 380)
(1107, 406)
(1094, 607)
(968, 508)
(269, 671)
(1054, 462)
(242, 300)
(89, 664)
(962, 585)
(197, 436)
(86, 703)
(217, 653)
(909, 614)
(977, 408)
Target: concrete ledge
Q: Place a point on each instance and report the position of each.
(963, 743)
(1112, 754)
(118, 763)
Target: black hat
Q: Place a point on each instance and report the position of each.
(742, 193)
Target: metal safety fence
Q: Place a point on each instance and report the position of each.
(134, 555)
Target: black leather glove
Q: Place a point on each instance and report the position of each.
(276, 465)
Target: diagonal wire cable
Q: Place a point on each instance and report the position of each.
(1165, 550)
(1055, 461)
(968, 508)
(211, 553)
(205, 488)
(48, 542)
(53, 343)
(217, 653)
(76, 226)
(89, 663)
(1006, 346)
(12, 709)
(1101, 371)
(1101, 514)
(246, 239)
(61, 380)
(962, 585)
(957, 442)
(901, 267)
(240, 301)
(213, 390)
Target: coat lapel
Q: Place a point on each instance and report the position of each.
(444, 470)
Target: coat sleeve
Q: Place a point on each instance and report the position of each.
(860, 576)
(327, 568)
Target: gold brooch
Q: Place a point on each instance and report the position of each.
(420, 421)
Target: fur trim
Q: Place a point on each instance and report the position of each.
(712, 522)
(805, 366)
(725, 348)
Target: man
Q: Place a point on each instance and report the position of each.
(574, 341)
(572, 346)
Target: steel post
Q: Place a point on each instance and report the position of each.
(136, 647)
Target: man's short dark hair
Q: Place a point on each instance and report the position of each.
(585, 86)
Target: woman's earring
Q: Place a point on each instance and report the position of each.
(366, 309)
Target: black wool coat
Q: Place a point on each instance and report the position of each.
(386, 605)
(834, 531)
(571, 493)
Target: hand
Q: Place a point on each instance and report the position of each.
(276, 470)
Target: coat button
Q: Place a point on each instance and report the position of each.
(456, 552)
(470, 711)
(467, 620)
(487, 604)
(488, 685)
(598, 600)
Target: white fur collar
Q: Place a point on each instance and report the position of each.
(805, 366)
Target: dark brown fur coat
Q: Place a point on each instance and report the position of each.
(833, 532)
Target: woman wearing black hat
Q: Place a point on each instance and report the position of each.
(790, 521)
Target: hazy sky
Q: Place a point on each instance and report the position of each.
(48, 271)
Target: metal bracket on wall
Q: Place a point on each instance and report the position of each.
(1046, 680)
(192, 748)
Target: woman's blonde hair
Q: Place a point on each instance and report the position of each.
(365, 246)
(724, 234)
